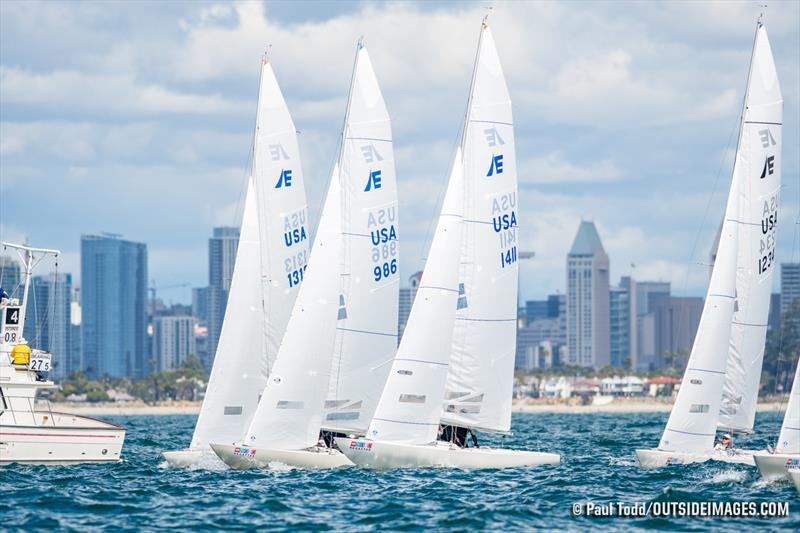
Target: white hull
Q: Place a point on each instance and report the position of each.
(65, 439)
(244, 457)
(794, 475)
(655, 458)
(773, 465)
(387, 455)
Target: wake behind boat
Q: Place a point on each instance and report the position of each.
(453, 370)
(29, 432)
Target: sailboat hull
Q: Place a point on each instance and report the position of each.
(774, 465)
(794, 475)
(388, 455)
(655, 458)
(245, 457)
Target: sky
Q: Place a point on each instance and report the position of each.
(136, 118)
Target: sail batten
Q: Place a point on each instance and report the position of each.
(270, 263)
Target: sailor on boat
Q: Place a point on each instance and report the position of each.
(726, 444)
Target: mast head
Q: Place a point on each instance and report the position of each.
(265, 57)
(485, 22)
(360, 43)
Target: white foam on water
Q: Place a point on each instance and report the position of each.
(727, 476)
(278, 467)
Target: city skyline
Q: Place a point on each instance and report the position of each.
(177, 151)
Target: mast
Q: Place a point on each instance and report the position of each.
(29, 260)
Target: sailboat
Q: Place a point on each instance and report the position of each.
(366, 330)
(454, 365)
(270, 265)
(785, 456)
(719, 389)
(350, 289)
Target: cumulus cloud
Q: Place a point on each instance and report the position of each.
(622, 114)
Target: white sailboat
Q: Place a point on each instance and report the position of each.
(785, 456)
(719, 389)
(332, 336)
(458, 347)
(30, 431)
(366, 331)
(285, 427)
(270, 265)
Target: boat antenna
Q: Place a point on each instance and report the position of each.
(266, 53)
(486, 16)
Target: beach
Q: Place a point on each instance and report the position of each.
(601, 405)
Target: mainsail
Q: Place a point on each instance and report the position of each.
(720, 385)
(410, 406)
(270, 263)
(290, 411)
(368, 302)
(480, 378)
(758, 169)
(789, 438)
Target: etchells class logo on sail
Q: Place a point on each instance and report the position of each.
(767, 141)
(494, 139)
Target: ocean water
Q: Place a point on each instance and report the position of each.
(142, 494)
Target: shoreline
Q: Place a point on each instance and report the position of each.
(524, 406)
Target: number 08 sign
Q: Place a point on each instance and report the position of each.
(11, 325)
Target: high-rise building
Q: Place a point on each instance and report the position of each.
(407, 295)
(173, 340)
(222, 248)
(774, 317)
(676, 320)
(790, 285)
(200, 304)
(48, 320)
(10, 276)
(114, 307)
(587, 300)
(649, 291)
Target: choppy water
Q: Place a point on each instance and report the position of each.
(140, 493)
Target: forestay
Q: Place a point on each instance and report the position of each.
(367, 327)
(410, 405)
(290, 411)
(480, 378)
(758, 163)
(270, 264)
(789, 439)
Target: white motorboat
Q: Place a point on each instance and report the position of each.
(30, 431)
(720, 386)
(270, 263)
(453, 371)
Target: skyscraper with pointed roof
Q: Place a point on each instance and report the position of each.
(588, 326)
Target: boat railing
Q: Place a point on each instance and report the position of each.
(29, 406)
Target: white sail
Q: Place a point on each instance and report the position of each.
(789, 438)
(410, 406)
(480, 378)
(236, 378)
(368, 303)
(290, 411)
(758, 164)
(270, 264)
(282, 210)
